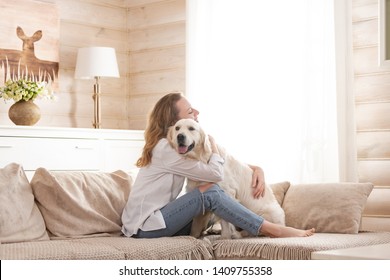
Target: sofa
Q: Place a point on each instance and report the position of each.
(73, 215)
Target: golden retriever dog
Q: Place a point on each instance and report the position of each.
(189, 139)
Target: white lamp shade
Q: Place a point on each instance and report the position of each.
(96, 62)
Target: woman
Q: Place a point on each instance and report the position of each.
(154, 208)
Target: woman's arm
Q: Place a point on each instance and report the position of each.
(190, 168)
(258, 181)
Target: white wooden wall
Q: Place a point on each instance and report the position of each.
(156, 44)
(372, 99)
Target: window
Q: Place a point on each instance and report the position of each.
(263, 76)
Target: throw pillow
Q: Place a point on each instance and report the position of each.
(280, 190)
(76, 203)
(331, 208)
(20, 219)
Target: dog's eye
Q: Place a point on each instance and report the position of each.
(177, 128)
(191, 128)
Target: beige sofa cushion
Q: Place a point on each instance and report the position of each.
(110, 248)
(280, 190)
(75, 203)
(20, 219)
(331, 208)
(291, 248)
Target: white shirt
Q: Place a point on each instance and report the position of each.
(160, 183)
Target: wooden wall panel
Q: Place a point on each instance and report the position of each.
(92, 36)
(364, 10)
(157, 59)
(104, 14)
(135, 3)
(372, 88)
(373, 116)
(81, 121)
(378, 203)
(374, 171)
(81, 105)
(95, 23)
(376, 212)
(372, 98)
(140, 107)
(373, 145)
(357, 3)
(159, 13)
(375, 223)
(157, 36)
(370, 63)
(157, 82)
(156, 54)
(363, 34)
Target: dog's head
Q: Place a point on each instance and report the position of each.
(189, 139)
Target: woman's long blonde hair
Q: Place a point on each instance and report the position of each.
(163, 115)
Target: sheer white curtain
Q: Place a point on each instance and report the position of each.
(262, 75)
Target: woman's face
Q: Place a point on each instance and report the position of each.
(185, 110)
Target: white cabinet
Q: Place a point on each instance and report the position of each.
(70, 148)
(121, 153)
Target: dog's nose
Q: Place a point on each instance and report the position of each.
(180, 138)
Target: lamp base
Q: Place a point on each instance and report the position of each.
(96, 102)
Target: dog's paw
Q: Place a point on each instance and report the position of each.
(214, 229)
(236, 235)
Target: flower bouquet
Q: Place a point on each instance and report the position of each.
(23, 92)
(26, 90)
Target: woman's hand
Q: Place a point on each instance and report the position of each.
(258, 181)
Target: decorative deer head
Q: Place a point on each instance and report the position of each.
(24, 63)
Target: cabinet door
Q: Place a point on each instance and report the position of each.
(50, 153)
(121, 154)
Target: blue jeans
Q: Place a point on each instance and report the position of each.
(179, 213)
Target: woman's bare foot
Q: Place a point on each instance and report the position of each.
(274, 230)
(293, 232)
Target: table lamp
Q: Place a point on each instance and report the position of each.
(94, 63)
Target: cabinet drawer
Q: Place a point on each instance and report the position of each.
(121, 154)
(50, 153)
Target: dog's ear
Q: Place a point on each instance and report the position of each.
(170, 135)
(206, 147)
